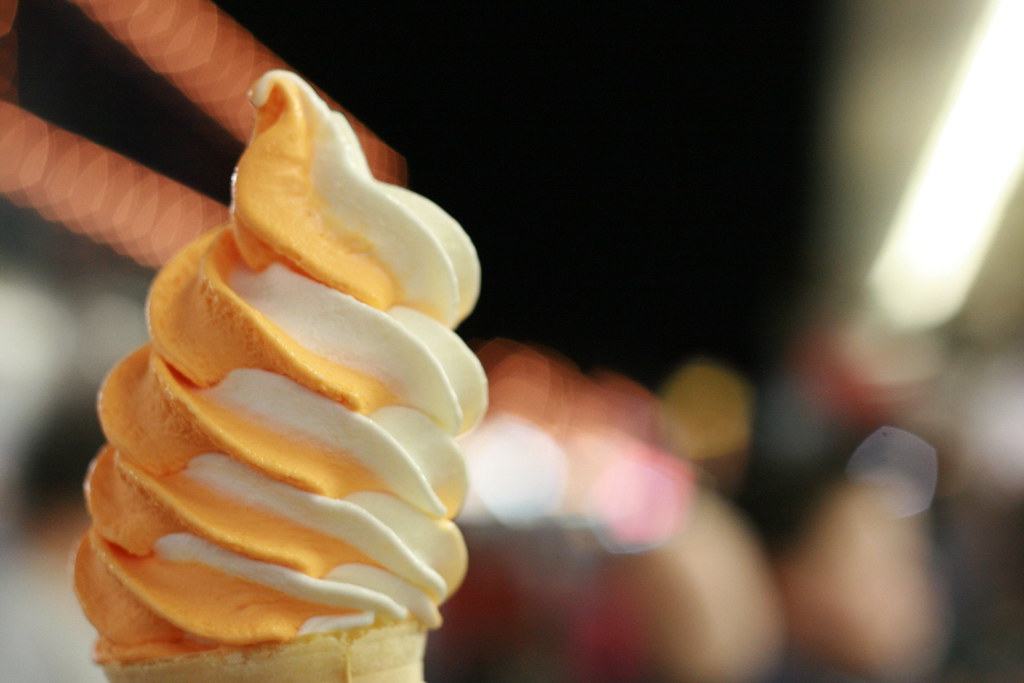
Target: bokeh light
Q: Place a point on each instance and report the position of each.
(965, 178)
(517, 473)
(707, 410)
(899, 463)
(8, 51)
(560, 446)
(100, 193)
(214, 62)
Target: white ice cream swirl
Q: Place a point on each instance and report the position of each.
(311, 335)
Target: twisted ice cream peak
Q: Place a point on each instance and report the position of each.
(281, 459)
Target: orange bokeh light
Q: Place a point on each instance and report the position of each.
(8, 51)
(213, 61)
(603, 460)
(95, 191)
(110, 198)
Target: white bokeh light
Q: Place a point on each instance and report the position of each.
(517, 471)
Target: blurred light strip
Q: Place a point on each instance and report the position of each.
(213, 61)
(8, 51)
(959, 191)
(94, 191)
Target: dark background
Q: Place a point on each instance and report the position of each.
(634, 175)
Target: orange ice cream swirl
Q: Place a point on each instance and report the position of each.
(281, 458)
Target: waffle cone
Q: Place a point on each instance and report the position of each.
(387, 654)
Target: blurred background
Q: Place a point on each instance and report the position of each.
(752, 310)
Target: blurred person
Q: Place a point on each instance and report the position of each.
(847, 524)
(43, 636)
(632, 574)
(70, 307)
(705, 602)
(859, 589)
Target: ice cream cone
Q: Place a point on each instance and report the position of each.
(387, 654)
(282, 458)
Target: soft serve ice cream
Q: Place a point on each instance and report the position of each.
(281, 457)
